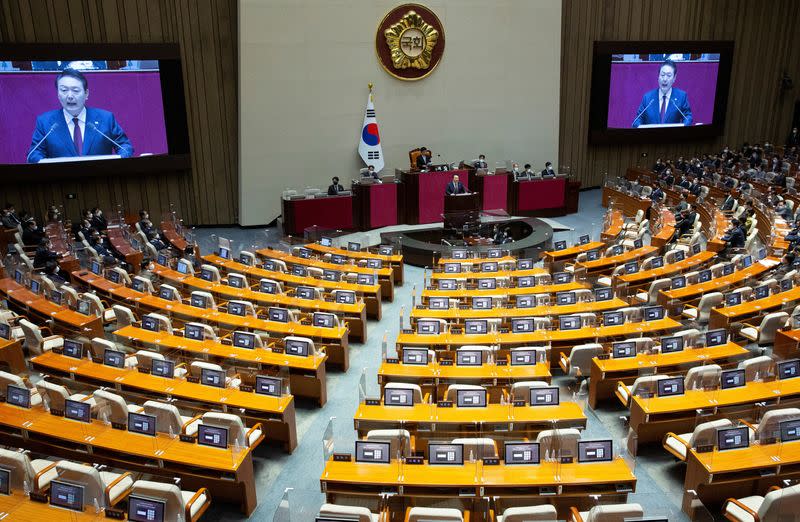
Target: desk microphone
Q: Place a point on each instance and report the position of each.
(52, 128)
(643, 110)
(676, 106)
(94, 126)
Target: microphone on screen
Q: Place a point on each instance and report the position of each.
(94, 126)
(52, 128)
(676, 106)
(643, 111)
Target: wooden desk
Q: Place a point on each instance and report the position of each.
(559, 256)
(37, 307)
(464, 293)
(472, 276)
(370, 293)
(628, 204)
(17, 506)
(307, 375)
(607, 373)
(652, 418)
(472, 261)
(59, 240)
(173, 237)
(613, 226)
(787, 344)
(607, 264)
(120, 242)
(395, 261)
(227, 473)
(276, 414)
(719, 284)
(722, 317)
(326, 212)
(11, 354)
(385, 275)
(667, 230)
(645, 277)
(458, 315)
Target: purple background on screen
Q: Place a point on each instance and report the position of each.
(133, 97)
(629, 82)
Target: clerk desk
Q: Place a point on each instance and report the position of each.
(395, 261)
(627, 203)
(455, 315)
(307, 375)
(472, 261)
(606, 373)
(607, 264)
(276, 414)
(645, 277)
(227, 473)
(718, 284)
(722, 317)
(370, 293)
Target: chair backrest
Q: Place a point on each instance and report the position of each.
(207, 297)
(147, 284)
(111, 406)
(86, 476)
(429, 514)
(655, 287)
(163, 320)
(580, 358)
(168, 418)
(312, 349)
(452, 390)
(479, 448)
(9, 378)
(543, 513)
(145, 358)
(614, 512)
(646, 384)
(123, 315)
(399, 440)
(123, 275)
(564, 441)
(416, 389)
(587, 319)
(706, 432)
(701, 377)
(689, 336)
(97, 305)
(248, 307)
(521, 391)
(707, 302)
(770, 324)
(18, 463)
(208, 331)
(486, 351)
(768, 426)
(54, 395)
(215, 276)
(169, 493)
(757, 368)
(236, 429)
(33, 336)
(331, 510)
(196, 367)
(100, 345)
(782, 504)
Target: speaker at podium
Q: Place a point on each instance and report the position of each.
(461, 209)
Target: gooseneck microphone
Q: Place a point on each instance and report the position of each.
(93, 126)
(676, 106)
(52, 128)
(643, 111)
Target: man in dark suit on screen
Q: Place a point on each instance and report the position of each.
(76, 130)
(666, 104)
(455, 187)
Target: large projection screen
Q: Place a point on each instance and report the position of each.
(305, 65)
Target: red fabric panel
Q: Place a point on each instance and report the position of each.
(431, 193)
(495, 190)
(383, 205)
(548, 193)
(333, 212)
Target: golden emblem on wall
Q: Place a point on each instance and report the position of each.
(409, 42)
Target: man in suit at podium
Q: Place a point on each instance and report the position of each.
(455, 187)
(423, 160)
(76, 130)
(666, 104)
(481, 163)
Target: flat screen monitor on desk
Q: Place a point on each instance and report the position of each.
(246, 260)
(5, 481)
(113, 358)
(524, 264)
(266, 385)
(786, 285)
(244, 340)
(471, 398)
(373, 452)
(678, 282)
(761, 291)
(592, 255)
(559, 245)
(206, 274)
(521, 453)
(671, 344)
(304, 253)
(237, 308)
(142, 424)
(566, 298)
(96, 269)
(113, 276)
(476, 326)
(299, 271)
(73, 348)
(623, 349)
(789, 369)
(653, 313)
(733, 299)
(194, 331)
(595, 451)
(670, 387)
(561, 278)
(77, 410)
(268, 287)
(18, 396)
(716, 337)
(331, 275)
(338, 259)
(468, 357)
(325, 241)
(569, 322)
(481, 303)
(143, 509)
(523, 357)
(544, 396)
(727, 269)
(747, 261)
(584, 239)
(733, 438)
(731, 379)
(487, 283)
(297, 347)
(657, 262)
(5, 331)
(212, 377)
(353, 246)
(165, 292)
(304, 292)
(445, 454)
(365, 279)
(224, 253)
(418, 356)
(526, 282)
(279, 315)
(84, 306)
(704, 276)
(603, 294)
(617, 250)
(613, 318)
(525, 301)
(323, 320)
(790, 430)
(398, 397)
(65, 495)
(58, 297)
(439, 303)
(213, 436)
(162, 368)
(494, 253)
(452, 268)
(428, 327)
(631, 267)
(183, 266)
(345, 297)
(522, 325)
(448, 284)
(459, 254)
(489, 266)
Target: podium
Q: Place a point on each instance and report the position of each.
(376, 205)
(461, 209)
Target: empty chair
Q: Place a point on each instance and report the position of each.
(542, 352)
(99, 308)
(521, 390)
(429, 514)
(477, 448)
(416, 396)
(54, 395)
(702, 377)
(241, 281)
(704, 434)
(184, 505)
(165, 324)
(356, 513)
(777, 504)
(35, 342)
(716, 269)
(312, 349)
(247, 306)
(452, 391)
(643, 344)
(237, 433)
(746, 291)
(37, 473)
(7, 379)
(206, 297)
(609, 280)
(651, 295)
(689, 336)
(563, 442)
(100, 345)
(106, 487)
(579, 362)
(279, 265)
(541, 323)
(757, 368)
(146, 284)
(113, 407)
(399, 440)
(124, 315)
(486, 351)
(145, 358)
(206, 329)
(632, 314)
(442, 323)
(670, 256)
(630, 241)
(769, 426)
(635, 221)
(607, 513)
(765, 332)
(169, 419)
(583, 295)
(171, 290)
(196, 369)
(646, 384)
(212, 271)
(703, 310)
(588, 319)
(543, 513)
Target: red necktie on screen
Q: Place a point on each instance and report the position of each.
(77, 139)
(663, 106)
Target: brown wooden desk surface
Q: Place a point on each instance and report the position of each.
(719, 284)
(668, 270)
(394, 258)
(385, 272)
(667, 230)
(11, 354)
(477, 260)
(17, 506)
(171, 233)
(573, 251)
(606, 263)
(528, 290)
(687, 356)
(720, 317)
(389, 372)
(786, 344)
(613, 226)
(458, 314)
(489, 275)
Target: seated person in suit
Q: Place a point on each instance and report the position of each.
(102, 247)
(529, 173)
(370, 173)
(46, 259)
(455, 187)
(515, 171)
(548, 171)
(657, 194)
(334, 188)
(149, 230)
(32, 235)
(424, 159)
(735, 236)
(9, 217)
(481, 163)
(728, 203)
(99, 221)
(665, 104)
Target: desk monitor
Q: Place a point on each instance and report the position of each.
(5, 331)
(524, 264)
(487, 284)
(224, 253)
(137, 284)
(476, 326)
(279, 315)
(483, 303)
(142, 424)
(353, 246)
(18, 396)
(304, 292)
(269, 264)
(84, 306)
(489, 266)
(244, 340)
(94, 267)
(524, 301)
(398, 397)
(439, 303)
(603, 294)
(19, 276)
(678, 282)
(365, 279)
(299, 271)
(385, 250)
(566, 298)
(761, 292)
(595, 451)
(494, 253)
(544, 396)
(584, 239)
(786, 284)
(523, 357)
(297, 347)
(304, 253)
(696, 249)
(246, 260)
(680, 255)
(445, 454)
(747, 261)
(788, 369)
(5, 481)
(521, 453)
(183, 266)
(657, 262)
(162, 260)
(65, 495)
(428, 327)
(617, 250)
(653, 313)
(459, 254)
(471, 398)
(560, 245)
(671, 344)
(113, 276)
(522, 325)
(113, 358)
(448, 284)
(790, 430)
(143, 509)
(165, 292)
(716, 337)
(194, 331)
(727, 269)
(211, 377)
(162, 368)
(468, 357)
(733, 299)
(77, 410)
(266, 385)
(593, 255)
(561, 278)
(331, 275)
(623, 349)
(373, 452)
(213, 436)
(525, 282)
(323, 320)
(670, 386)
(733, 438)
(346, 297)
(206, 274)
(375, 264)
(338, 259)
(35, 286)
(631, 267)
(452, 268)
(569, 322)
(638, 243)
(732, 379)
(613, 318)
(198, 301)
(418, 356)
(704, 276)
(325, 241)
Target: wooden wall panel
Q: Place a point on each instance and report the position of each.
(207, 33)
(765, 46)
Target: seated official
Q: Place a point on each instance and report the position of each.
(735, 236)
(481, 163)
(9, 217)
(728, 203)
(657, 194)
(548, 171)
(99, 221)
(370, 173)
(528, 173)
(455, 187)
(516, 172)
(424, 159)
(334, 188)
(101, 246)
(32, 234)
(149, 230)
(783, 211)
(46, 259)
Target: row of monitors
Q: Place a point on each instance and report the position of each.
(521, 301)
(473, 398)
(461, 253)
(267, 287)
(559, 278)
(83, 306)
(514, 453)
(419, 357)
(562, 245)
(487, 266)
(673, 386)
(739, 437)
(352, 246)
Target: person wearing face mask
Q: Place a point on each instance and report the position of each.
(481, 163)
(76, 130)
(548, 171)
(529, 173)
(370, 173)
(519, 175)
